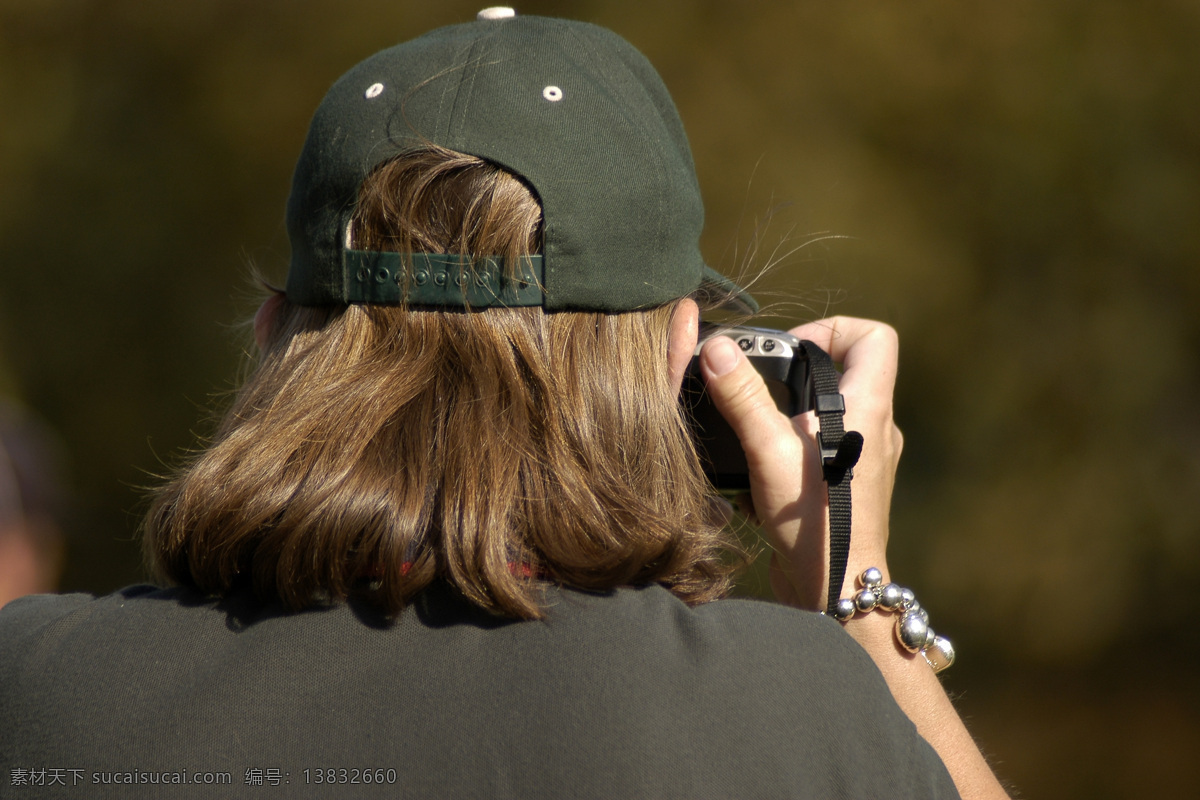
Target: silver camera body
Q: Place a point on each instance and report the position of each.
(784, 366)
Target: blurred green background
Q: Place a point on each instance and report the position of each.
(1015, 186)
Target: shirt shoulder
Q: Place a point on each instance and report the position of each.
(39, 623)
(741, 633)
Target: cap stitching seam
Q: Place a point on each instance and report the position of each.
(660, 221)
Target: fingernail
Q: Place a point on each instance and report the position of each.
(722, 356)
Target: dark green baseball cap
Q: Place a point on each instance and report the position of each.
(571, 108)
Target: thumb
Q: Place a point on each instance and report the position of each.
(742, 397)
(788, 498)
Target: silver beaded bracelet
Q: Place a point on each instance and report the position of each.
(912, 627)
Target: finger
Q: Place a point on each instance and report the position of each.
(742, 397)
(868, 350)
(785, 478)
(837, 335)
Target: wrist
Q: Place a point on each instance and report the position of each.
(877, 635)
(880, 607)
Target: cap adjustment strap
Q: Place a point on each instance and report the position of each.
(435, 279)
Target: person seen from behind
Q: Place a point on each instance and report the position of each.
(453, 532)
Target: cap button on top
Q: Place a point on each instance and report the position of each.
(496, 12)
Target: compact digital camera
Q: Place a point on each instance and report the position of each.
(784, 366)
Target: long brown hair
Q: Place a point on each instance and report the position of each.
(376, 448)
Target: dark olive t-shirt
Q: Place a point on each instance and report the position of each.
(624, 695)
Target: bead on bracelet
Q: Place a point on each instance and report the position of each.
(912, 624)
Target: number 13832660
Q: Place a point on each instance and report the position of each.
(338, 776)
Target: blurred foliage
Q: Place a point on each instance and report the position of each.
(1015, 187)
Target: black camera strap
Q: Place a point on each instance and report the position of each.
(840, 450)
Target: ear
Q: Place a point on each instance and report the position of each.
(264, 320)
(685, 332)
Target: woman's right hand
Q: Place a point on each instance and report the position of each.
(788, 494)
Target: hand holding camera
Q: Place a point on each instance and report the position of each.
(781, 453)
